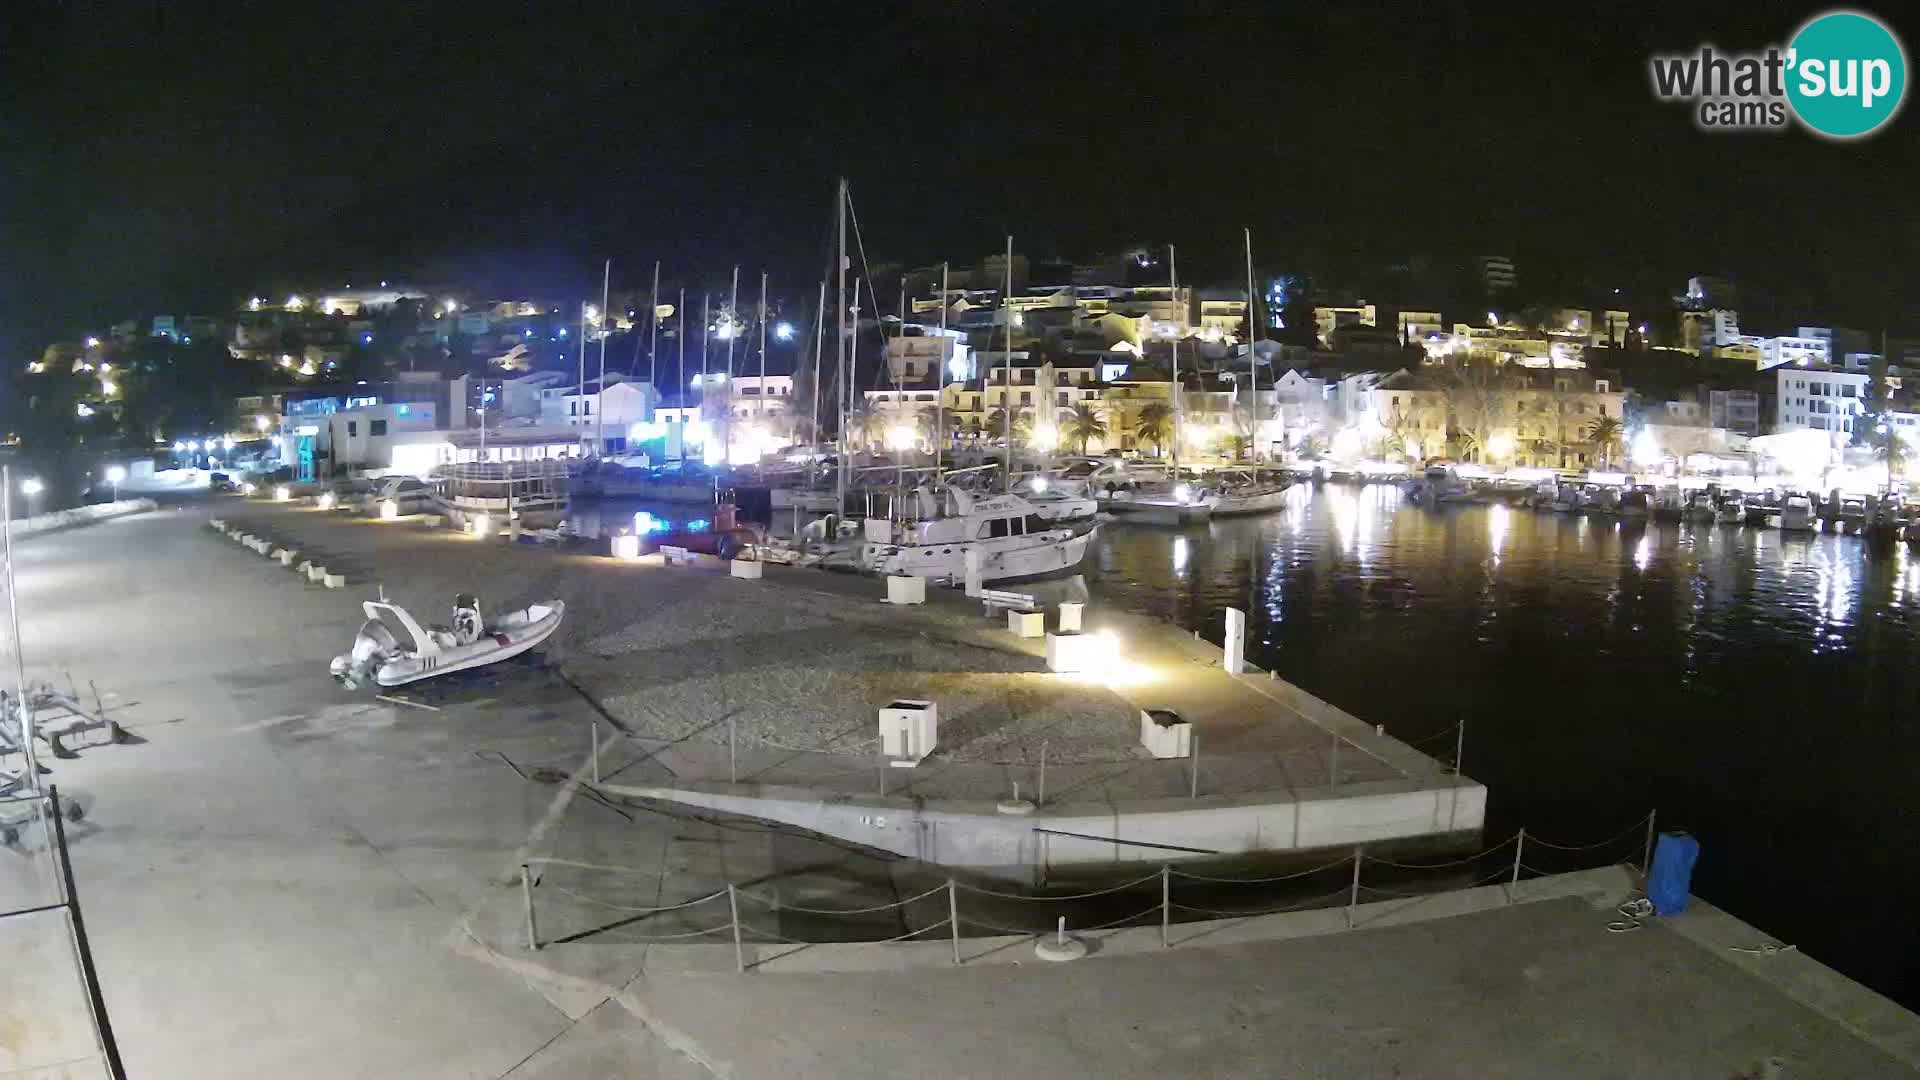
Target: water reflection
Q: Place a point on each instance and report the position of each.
(1605, 671)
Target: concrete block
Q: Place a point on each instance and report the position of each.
(677, 555)
(334, 581)
(750, 569)
(305, 565)
(909, 730)
(285, 555)
(1070, 612)
(976, 580)
(1027, 624)
(1165, 734)
(626, 547)
(906, 589)
(1074, 652)
(316, 574)
(216, 523)
(432, 521)
(1234, 645)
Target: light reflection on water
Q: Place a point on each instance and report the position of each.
(1758, 688)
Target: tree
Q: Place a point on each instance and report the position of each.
(1605, 432)
(866, 425)
(1476, 401)
(1083, 425)
(997, 425)
(1154, 425)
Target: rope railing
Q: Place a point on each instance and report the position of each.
(1399, 885)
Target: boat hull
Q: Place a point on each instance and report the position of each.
(506, 641)
(1260, 502)
(996, 564)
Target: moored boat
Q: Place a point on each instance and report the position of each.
(392, 648)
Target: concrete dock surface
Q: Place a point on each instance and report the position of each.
(284, 880)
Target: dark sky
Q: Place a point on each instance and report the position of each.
(177, 155)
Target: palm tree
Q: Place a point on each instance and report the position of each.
(1604, 430)
(1154, 425)
(997, 425)
(1084, 424)
(866, 425)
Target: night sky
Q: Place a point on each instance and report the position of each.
(174, 157)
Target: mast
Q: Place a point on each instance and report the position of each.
(600, 392)
(1253, 368)
(853, 348)
(733, 331)
(940, 399)
(1173, 296)
(580, 388)
(840, 334)
(680, 380)
(819, 339)
(653, 337)
(900, 397)
(1006, 408)
(705, 299)
(30, 770)
(762, 407)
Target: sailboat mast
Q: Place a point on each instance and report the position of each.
(762, 409)
(1173, 297)
(1253, 369)
(600, 392)
(706, 300)
(653, 337)
(819, 340)
(733, 331)
(680, 379)
(1006, 401)
(840, 336)
(940, 399)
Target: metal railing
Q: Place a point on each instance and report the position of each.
(1196, 897)
(34, 824)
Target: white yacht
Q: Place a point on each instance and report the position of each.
(1148, 492)
(1796, 515)
(1013, 540)
(1732, 510)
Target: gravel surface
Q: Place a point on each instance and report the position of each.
(801, 661)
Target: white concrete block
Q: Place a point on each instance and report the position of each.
(906, 589)
(1165, 735)
(285, 555)
(1074, 652)
(909, 730)
(1027, 623)
(1070, 612)
(316, 574)
(305, 565)
(1234, 645)
(626, 547)
(750, 569)
(677, 555)
(334, 581)
(976, 579)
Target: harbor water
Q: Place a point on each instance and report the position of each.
(1755, 688)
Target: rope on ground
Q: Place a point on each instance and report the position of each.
(776, 904)
(584, 898)
(1346, 861)
(1313, 902)
(1765, 948)
(1441, 865)
(1633, 915)
(1614, 839)
(1002, 929)
(548, 860)
(747, 929)
(1155, 876)
(1117, 922)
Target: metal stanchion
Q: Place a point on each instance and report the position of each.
(1040, 797)
(1646, 858)
(1193, 780)
(953, 916)
(733, 754)
(1166, 902)
(1333, 764)
(526, 898)
(1519, 845)
(593, 724)
(1353, 895)
(733, 910)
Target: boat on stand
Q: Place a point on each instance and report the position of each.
(500, 493)
(1012, 540)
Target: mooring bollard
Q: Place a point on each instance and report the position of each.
(526, 897)
(1353, 896)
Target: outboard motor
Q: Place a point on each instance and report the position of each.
(467, 626)
(371, 647)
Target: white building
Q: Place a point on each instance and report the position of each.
(754, 396)
(621, 403)
(1328, 318)
(1799, 350)
(1819, 399)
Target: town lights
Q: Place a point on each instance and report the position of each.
(115, 474)
(900, 437)
(1044, 437)
(1038, 485)
(1646, 449)
(1182, 492)
(31, 485)
(389, 510)
(783, 331)
(282, 493)
(450, 305)
(1500, 446)
(261, 423)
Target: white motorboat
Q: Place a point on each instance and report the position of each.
(1699, 507)
(1012, 540)
(1796, 515)
(392, 648)
(1732, 511)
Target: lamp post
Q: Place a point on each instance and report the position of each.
(115, 474)
(30, 487)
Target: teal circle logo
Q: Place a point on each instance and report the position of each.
(1847, 74)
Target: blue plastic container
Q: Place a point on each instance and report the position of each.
(1671, 881)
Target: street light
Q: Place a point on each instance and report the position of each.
(31, 486)
(115, 474)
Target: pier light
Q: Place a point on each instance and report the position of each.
(479, 526)
(1182, 492)
(783, 331)
(326, 500)
(261, 423)
(247, 489)
(295, 303)
(1501, 445)
(389, 510)
(1646, 448)
(31, 485)
(626, 546)
(178, 446)
(282, 493)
